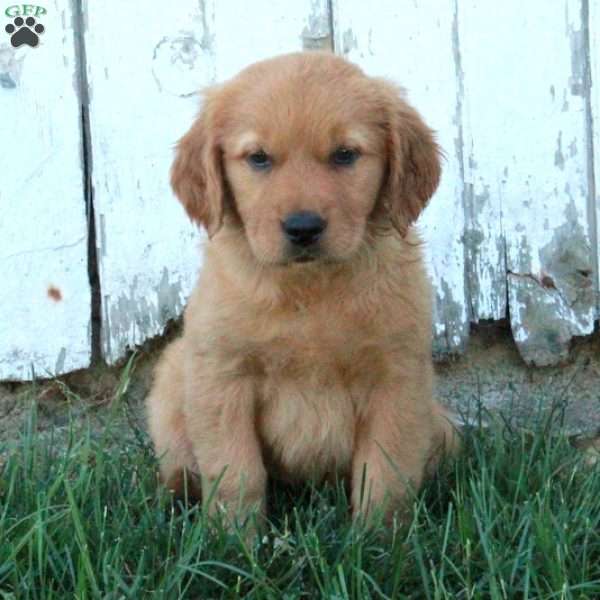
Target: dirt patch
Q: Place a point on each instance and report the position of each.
(490, 375)
(96, 396)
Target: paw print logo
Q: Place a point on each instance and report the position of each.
(24, 32)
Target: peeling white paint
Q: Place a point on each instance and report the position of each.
(483, 236)
(143, 98)
(593, 146)
(44, 296)
(506, 86)
(530, 167)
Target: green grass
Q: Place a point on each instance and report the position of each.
(517, 516)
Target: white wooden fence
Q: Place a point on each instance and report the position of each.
(89, 117)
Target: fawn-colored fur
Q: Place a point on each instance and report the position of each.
(303, 370)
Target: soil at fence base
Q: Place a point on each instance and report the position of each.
(490, 375)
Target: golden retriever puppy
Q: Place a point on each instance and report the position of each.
(306, 345)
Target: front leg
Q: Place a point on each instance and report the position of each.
(220, 422)
(392, 446)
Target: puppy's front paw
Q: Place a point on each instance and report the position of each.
(247, 520)
(237, 506)
(380, 494)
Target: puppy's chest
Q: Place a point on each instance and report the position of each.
(318, 347)
(316, 374)
(307, 429)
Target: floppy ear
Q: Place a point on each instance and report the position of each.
(196, 174)
(413, 163)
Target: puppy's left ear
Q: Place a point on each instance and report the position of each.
(197, 174)
(413, 162)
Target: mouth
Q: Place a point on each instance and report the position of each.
(304, 258)
(307, 258)
(300, 256)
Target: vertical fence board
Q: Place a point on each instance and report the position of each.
(593, 39)
(147, 250)
(527, 148)
(245, 32)
(413, 45)
(142, 85)
(483, 238)
(45, 295)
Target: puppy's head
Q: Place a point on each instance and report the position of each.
(308, 156)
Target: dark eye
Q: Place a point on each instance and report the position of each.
(344, 157)
(259, 160)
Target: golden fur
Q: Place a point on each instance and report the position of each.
(303, 370)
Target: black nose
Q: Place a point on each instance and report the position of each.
(303, 228)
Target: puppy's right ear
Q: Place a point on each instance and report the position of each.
(414, 168)
(197, 173)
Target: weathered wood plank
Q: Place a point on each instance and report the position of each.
(45, 295)
(142, 98)
(485, 259)
(148, 252)
(245, 32)
(593, 114)
(525, 138)
(414, 45)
